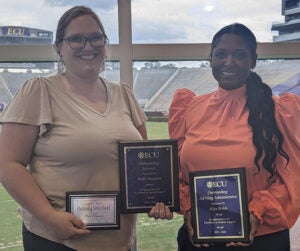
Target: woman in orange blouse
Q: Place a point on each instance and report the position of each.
(241, 125)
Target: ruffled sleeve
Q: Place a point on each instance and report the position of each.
(279, 205)
(31, 105)
(176, 121)
(137, 114)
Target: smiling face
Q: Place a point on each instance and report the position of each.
(88, 61)
(231, 61)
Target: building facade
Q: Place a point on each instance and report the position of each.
(290, 29)
(24, 35)
(18, 35)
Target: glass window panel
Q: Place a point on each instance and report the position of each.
(44, 14)
(194, 21)
(14, 75)
(156, 82)
(111, 71)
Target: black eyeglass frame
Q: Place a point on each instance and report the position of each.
(85, 39)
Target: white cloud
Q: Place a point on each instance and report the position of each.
(208, 8)
(196, 21)
(155, 21)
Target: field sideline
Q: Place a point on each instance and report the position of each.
(159, 235)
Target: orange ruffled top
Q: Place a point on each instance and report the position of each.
(213, 133)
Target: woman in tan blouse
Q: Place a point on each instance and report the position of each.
(60, 134)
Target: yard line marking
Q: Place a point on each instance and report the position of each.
(6, 201)
(11, 246)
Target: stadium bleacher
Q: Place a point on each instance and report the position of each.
(155, 87)
(276, 72)
(149, 81)
(198, 80)
(5, 93)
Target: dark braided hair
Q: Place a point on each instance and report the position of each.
(267, 138)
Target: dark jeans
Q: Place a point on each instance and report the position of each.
(33, 242)
(279, 241)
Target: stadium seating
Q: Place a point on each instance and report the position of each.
(154, 88)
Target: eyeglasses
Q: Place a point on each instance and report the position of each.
(78, 41)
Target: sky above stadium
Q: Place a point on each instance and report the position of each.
(154, 21)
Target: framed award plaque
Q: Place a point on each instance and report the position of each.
(148, 174)
(219, 205)
(98, 210)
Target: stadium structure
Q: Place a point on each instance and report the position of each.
(14, 74)
(290, 29)
(24, 35)
(154, 87)
(18, 35)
